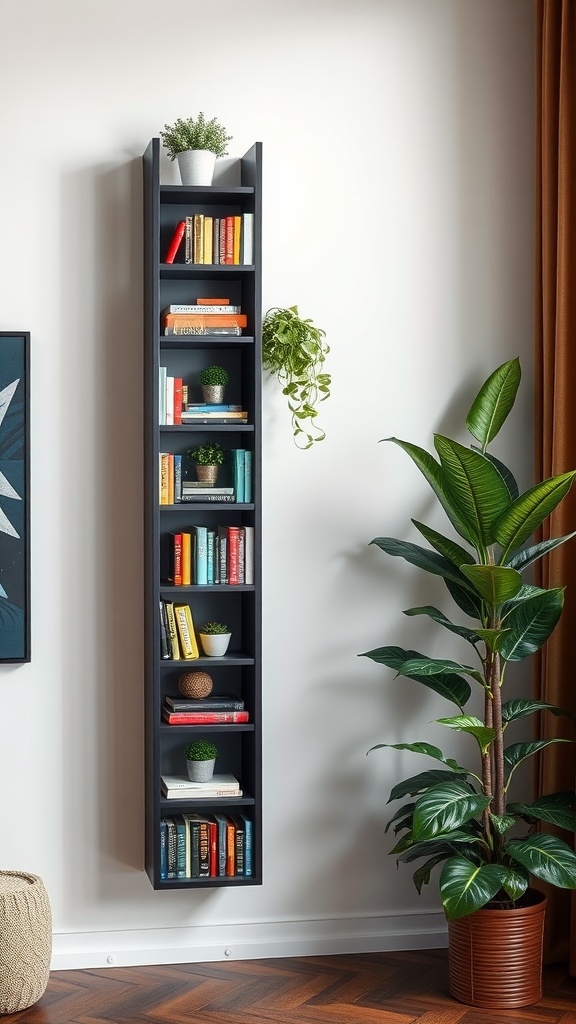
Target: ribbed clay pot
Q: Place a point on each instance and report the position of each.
(207, 474)
(495, 956)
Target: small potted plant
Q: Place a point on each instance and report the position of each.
(294, 351)
(214, 637)
(207, 458)
(200, 760)
(213, 380)
(196, 143)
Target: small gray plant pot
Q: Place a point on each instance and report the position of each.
(201, 771)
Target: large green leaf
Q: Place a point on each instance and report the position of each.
(445, 546)
(422, 874)
(465, 887)
(403, 817)
(424, 667)
(419, 783)
(505, 473)
(495, 583)
(445, 807)
(453, 687)
(493, 638)
(473, 726)
(547, 857)
(522, 559)
(430, 561)
(519, 708)
(494, 402)
(448, 845)
(440, 618)
(502, 822)
(524, 515)
(425, 748)
(516, 753)
(555, 808)
(531, 623)
(514, 881)
(433, 473)
(478, 489)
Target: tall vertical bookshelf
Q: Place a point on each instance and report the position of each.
(239, 605)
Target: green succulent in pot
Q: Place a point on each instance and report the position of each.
(207, 454)
(463, 817)
(214, 629)
(195, 133)
(201, 750)
(214, 376)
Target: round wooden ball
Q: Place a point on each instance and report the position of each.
(195, 684)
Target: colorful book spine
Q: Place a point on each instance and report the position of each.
(205, 717)
(234, 554)
(186, 558)
(248, 475)
(237, 456)
(200, 555)
(163, 849)
(248, 845)
(177, 478)
(248, 238)
(175, 559)
(237, 238)
(176, 242)
(177, 401)
(186, 634)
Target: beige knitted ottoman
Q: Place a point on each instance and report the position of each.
(25, 940)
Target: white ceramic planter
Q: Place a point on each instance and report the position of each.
(215, 645)
(200, 771)
(196, 166)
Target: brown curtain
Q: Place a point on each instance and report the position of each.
(555, 381)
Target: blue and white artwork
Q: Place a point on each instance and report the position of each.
(14, 499)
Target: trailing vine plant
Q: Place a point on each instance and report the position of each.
(294, 351)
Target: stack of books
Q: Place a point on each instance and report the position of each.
(214, 240)
(179, 787)
(203, 318)
(203, 412)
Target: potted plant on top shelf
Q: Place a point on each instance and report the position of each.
(207, 458)
(195, 143)
(464, 817)
(294, 350)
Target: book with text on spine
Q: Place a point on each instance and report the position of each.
(205, 717)
(186, 634)
(227, 702)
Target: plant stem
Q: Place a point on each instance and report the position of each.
(487, 764)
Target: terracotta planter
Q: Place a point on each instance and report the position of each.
(208, 474)
(495, 956)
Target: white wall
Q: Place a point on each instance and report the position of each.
(398, 205)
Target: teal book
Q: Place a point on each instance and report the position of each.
(163, 849)
(177, 478)
(248, 475)
(237, 455)
(248, 844)
(210, 566)
(200, 554)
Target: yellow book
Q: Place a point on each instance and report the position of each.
(198, 238)
(163, 478)
(170, 479)
(208, 229)
(186, 559)
(188, 643)
(174, 645)
(237, 234)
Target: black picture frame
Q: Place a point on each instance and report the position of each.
(14, 497)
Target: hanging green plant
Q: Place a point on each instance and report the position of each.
(294, 351)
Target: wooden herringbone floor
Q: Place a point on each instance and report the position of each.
(371, 988)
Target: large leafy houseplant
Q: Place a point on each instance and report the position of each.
(457, 816)
(294, 350)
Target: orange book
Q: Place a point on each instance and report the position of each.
(205, 320)
(212, 302)
(177, 400)
(230, 848)
(186, 559)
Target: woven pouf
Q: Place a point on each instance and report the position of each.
(25, 940)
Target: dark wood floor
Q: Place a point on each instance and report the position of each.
(371, 988)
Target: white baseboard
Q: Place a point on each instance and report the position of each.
(137, 947)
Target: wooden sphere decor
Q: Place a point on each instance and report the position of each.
(195, 684)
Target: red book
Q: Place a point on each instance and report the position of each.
(175, 243)
(204, 717)
(175, 574)
(177, 400)
(233, 554)
(212, 302)
(213, 848)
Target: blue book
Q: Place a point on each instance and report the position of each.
(177, 478)
(207, 407)
(237, 455)
(248, 826)
(210, 568)
(248, 475)
(200, 554)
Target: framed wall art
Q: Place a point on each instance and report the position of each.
(14, 496)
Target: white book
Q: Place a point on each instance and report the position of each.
(181, 782)
(162, 396)
(247, 255)
(249, 554)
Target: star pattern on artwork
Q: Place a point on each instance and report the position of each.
(6, 489)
